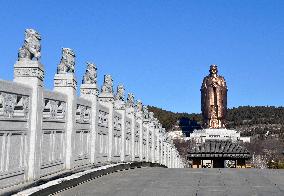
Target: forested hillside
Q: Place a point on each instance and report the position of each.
(168, 118)
(249, 120)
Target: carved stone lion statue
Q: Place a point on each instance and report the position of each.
(130, 100)
(67, 62)
(119, 97)
(139, 106)
(151, 115)
(31, 47)
(120, 93)
(90, 76)
(146, 112)
(108, 84)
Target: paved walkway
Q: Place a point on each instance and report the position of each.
(184, 182)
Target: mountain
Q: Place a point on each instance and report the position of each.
(250, 121)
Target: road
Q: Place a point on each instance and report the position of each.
(184, 182)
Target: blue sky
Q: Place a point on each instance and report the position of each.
(160, 50)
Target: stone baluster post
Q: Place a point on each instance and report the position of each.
(162, 152)
(176, 163)
(169, 147)
(165, 152)
(159, 144)
(106, 98)
(139, 119)
(154, 141)
(174, 157)
(65, 82)
(171, 157)
(119, 105)
(160, 149)
(89, 91)
(162, 140)
(29, 71)
(168, 155)
(146, 124)
(177, 160)
(130, 113)
(147, 149)
(165, 157)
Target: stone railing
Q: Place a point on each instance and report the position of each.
(46, 133)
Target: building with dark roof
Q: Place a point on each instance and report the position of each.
(218, 154)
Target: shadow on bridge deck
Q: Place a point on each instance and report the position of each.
(58, 183)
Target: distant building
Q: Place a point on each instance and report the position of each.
(177, 134)
(218, 154)
(200, 136)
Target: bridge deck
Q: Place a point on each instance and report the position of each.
(184, 182)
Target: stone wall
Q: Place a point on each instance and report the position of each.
(44, 133)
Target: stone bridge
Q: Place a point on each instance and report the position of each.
(98, 143)
(49, 134)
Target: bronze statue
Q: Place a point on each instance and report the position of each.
(214, 99)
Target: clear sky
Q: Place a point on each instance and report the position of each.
(160, 50)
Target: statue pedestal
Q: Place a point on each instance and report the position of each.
(89, 90)
(106, 98)
(29, 72)
(65, 80)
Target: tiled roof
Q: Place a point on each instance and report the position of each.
(214, 148)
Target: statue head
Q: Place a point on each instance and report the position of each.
(108, 79)
(32, 33)
(213, 70)
(90, 76)
(91, 66)
(68, 52)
